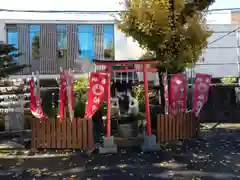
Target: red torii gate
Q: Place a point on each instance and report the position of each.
(124, 63)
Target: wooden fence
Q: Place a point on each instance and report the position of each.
(66, 134)
(173, 127)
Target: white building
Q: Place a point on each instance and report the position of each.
(221, 58)
(51, 40)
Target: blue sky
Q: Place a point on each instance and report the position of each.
(91, 5)
(220, 4)
(107, 5)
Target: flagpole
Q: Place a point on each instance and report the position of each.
(60, 96)
(38, 91)
(68, 81)
(67, 91)
(166, 92)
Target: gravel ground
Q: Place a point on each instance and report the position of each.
(215, 156)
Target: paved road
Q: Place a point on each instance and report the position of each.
(217, 156)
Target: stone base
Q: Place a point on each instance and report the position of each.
(108, 146)
(150, 144)
(10, 145)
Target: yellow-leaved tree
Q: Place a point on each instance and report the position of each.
(174, 31)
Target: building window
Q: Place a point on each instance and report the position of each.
(12, 37)
(108, 42)
(86, 42)
(34, 33)
(61, 40)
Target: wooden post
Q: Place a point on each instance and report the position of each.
(147, 108)
(108, 120)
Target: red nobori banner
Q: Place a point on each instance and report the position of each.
(201, 89)
(166, 96)
(66, 95)
(62, 96)
(35, 101)
(96, 93)
(178, 93)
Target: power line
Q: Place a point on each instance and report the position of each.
(224, 47)
(59, 11)
(115, 11)
(225, 35)
(223, 9)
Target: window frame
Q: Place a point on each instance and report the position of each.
(60, 51)
(113, 38)
(10, 26)
(79, 41)
(30, 40)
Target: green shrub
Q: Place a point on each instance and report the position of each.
(138, 93)
(80, 89)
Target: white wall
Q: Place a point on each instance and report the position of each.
(221, 57)
(22, 17)
(2, 31)
(219, 17)
(125, 47)
(121, 48)
(134, 50)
